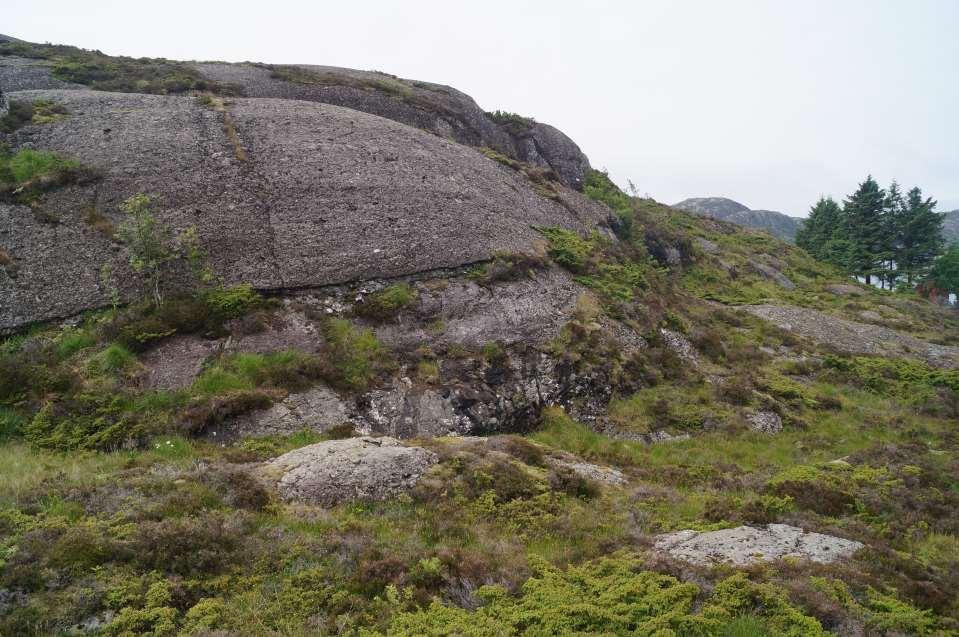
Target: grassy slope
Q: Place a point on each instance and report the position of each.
(172, 536)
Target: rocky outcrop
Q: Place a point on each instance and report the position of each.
(318, 409)
(855, 338)
(748, 545)
(439, 109)
(295, 198)
(340, 471)
(950, 226)
(544, 145)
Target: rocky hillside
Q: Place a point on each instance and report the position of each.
(950, 227)
(775, 223)
(280, 361)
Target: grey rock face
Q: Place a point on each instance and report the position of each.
(21, 74)
(4, 106)
(318, 409)
(439, 109)
(547, 146)
(176, 362)
(748, 545)
(767, 422)
(855, 338)
(406, 412)
(330, 473)
(326, 195)
(530, 310)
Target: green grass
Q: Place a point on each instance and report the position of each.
(385, 304)
(28, 164)
(116, 73)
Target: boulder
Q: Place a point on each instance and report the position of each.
(588, 470)
(773, 275)
(747, 545)
(339, 471)
(680, 345)
(844, 289)
(767, 422)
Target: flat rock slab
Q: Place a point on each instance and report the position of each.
(855, 338)
(318, 409)
(748, 545)
(338, 471)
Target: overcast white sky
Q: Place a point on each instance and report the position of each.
(769, 103)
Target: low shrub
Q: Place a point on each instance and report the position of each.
(11, 423)
(568, 249)
(513, 123)
(187, 546)
(613, 595)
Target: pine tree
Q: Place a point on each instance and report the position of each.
(919, 233)
(820, 228)
(863, 212)
(892, 221)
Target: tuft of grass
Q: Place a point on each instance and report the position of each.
(356, 356)
(28, 173)
(73, 341)
(28, 164)
(385, 304)
(113, 359)
(217, 380)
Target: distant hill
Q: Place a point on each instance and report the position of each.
(950, 228)
(776, 223)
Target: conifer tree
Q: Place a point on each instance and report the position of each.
(919, 236)
(863, 212)
(820, 228)
(892, 221)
